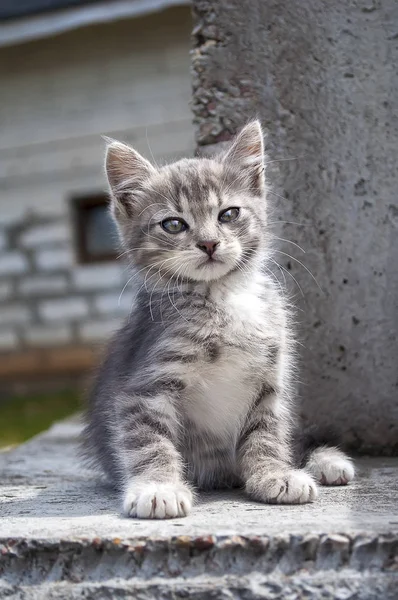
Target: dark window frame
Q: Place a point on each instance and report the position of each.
(81, 206)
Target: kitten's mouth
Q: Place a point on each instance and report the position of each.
(212, 261)
(210, 269)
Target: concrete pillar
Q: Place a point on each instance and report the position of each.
(322, 77)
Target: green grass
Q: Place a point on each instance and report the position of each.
(22, 417)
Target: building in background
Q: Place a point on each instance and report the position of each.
(66, 77)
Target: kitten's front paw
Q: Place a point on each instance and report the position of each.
(157, 501)
(289, 487)
(330, 466)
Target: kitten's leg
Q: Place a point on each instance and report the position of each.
(330, 466)
(264, 456)
(154, 486)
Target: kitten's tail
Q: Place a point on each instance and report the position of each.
(317, 452)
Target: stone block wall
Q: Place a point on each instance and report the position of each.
(47, 299)
(125, 79)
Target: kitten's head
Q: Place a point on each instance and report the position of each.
(197, 219)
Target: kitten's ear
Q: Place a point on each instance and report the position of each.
(126, 170)
(247, 155)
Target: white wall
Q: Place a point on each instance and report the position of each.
(129, 80)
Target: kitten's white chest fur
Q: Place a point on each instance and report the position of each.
(221, 391)
(219, 397)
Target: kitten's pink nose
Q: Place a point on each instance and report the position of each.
(208, 247)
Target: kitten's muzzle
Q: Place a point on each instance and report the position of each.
(208, 247)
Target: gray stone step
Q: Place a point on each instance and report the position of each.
(61, 536)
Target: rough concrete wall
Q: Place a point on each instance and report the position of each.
(321, 75)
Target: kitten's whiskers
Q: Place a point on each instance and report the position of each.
(304, 267)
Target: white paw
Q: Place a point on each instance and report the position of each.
(157, 501)
(330, 466)
(290, 487)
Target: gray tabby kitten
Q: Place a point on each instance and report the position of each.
(196, 388)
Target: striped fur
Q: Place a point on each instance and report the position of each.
(195, 390)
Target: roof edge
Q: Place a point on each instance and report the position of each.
(26, 29)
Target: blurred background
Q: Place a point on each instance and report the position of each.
(71, 71)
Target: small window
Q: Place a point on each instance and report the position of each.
(95, 232)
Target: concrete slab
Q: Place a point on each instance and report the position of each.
(318, 76)
(60, 526)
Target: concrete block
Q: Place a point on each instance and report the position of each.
(8, 339)
(101, 276)
(328, 100)
(45, 234)
(47, 336)
(13, 263)
(113, 303)
(40, 285)
(63, 310)
(54, 259)
(62, 536)
(11, 214)
(3, 240)
(14, 313)
(6, 288)
(99, 329)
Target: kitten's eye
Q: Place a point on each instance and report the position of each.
(174, 225)
(229, 215)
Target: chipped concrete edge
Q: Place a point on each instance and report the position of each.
(92, 559)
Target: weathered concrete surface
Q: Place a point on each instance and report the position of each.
(61, 536)
(321, 75)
